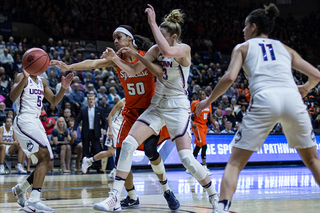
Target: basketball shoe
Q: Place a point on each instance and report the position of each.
(207, 170)
(112, 174)
(86, 163)
(18, 193)
(37, 207)
(20, 170)
(2, 172)
(172, 201)
(129, 203)
(214, 200)
(111, 204)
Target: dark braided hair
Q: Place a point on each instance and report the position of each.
(264, 18)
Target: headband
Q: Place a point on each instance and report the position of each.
(127, 32)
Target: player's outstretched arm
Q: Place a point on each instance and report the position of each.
(237, 59)
(84, 65)
(20, 82)
(55, 99)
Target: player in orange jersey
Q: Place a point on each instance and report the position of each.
(199, 129)
(139, 89)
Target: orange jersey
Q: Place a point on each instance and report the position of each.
(203, 117)
(138, 89)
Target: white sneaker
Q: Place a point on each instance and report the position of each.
(2, 172)
(206, 168)
(20, 170)
(214, 200)
(187, 171)
(18, 193)
(86, 163)
(112, 203)
(112, 174)
(37, 207)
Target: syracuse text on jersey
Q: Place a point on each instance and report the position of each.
(126, 75)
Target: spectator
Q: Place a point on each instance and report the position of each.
(76, 97)
(227, 130)
(48, 123)
(52, 81)
(53, 112)
(9, 145)
(61, 139)
(102, 93)
(230, 117)
(2, 45)
(225, 102)
(241, 113)
(67, 115)
(17, 64)
(67, 59)
(106, 108)
(242, 98)
(12, 45)
(2, 109)
(7, 61)
(60, 49)
(90, 89)
(76, 143)
(235, 107)
(218, 115)
(76, 79)
(112, 95)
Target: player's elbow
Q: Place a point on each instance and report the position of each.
(230, 78)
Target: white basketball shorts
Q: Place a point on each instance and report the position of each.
(173, 112)
(113, 142)
(268, 108)
(31, 134)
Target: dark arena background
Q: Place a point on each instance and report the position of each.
(275, 179)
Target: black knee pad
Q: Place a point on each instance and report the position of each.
(150, 147)
(203, 151)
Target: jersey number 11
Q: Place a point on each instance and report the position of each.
(264, 52)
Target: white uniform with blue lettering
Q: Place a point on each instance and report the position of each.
(7, 137)
(274, 98)
(170, 105)
(116, 124)
(27, 125)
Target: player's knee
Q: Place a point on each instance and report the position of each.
(49, 165)
(190, 163)
(129, 145)
(151, 152)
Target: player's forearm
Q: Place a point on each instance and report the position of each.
(222, 86)
(89, 64)
(126, 67)
(161, 41)
(153, 68)
(311, 83)
(17, 90)
(58, 97)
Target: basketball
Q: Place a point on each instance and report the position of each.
(35, 61)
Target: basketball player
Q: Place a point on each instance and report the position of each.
(28, 92)
(199, 129)
(275, 99)
(169, 105)
(8, 141)
(139, 89)
(114, 122)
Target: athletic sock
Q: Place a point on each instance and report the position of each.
(224, 205)
(35, 195)
(210, 189)
(164, 185)
(132, 193)
(118, 186)
(24, 185)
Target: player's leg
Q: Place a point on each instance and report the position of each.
(2, 157)
(87, 162)
(150, 148)
(311, 160)
(129, 145)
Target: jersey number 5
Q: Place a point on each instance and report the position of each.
(137, 88)
(264, 52)
(39, 101)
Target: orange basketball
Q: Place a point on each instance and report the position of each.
(35, 61)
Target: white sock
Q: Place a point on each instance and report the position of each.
(164, 185)
(132, 194)
(19, 164)
(210, 189)
(35, 196)
(117, 187)
(24, 185)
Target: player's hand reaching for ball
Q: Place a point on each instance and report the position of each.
(126, 50)
(66, 81)
(60, 64)
(151, 14)
(108, 54)
(26, 75)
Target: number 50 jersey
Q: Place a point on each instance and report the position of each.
(30, 100)
(139, 88)
(267, 58)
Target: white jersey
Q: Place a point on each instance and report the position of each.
(268, 65)
(7, 136)
(174, 80)
(117, 118)
(30, 100)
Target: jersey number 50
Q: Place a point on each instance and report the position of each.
(137, 88)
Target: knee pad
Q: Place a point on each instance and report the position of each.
(190, 163)
(129, 145)
(159, 169)
(150, 148)
(203, 151)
